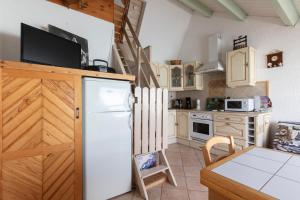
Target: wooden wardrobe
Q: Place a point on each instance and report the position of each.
(41, 131)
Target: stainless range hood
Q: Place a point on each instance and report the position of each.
(214, 54)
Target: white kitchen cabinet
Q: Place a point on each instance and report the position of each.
(162, 73)
(191, 80)
(240, 67)
(182, 124)
(172, 124)
(176, 77)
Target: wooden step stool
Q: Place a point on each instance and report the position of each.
(149, 178)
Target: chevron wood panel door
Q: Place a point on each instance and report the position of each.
(41, 151)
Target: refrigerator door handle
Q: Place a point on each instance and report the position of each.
(130, 121)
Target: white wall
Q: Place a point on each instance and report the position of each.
(266, 35)
(164, 26)
(40, 13)
(1, 24)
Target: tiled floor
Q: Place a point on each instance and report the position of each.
(186, 163)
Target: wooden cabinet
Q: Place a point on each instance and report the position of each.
(41, 127)
(224, 128)
(182, 124)
(176, 77)
(191, 80)
(178, 125)
(240, 67)
(246, 129)
(41, 130)
(172, 124)
(162, 72)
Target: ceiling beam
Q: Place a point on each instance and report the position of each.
(234, 9)
(287, 11)
(198, 6)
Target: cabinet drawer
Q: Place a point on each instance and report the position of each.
(231, 118)
(239, 145)
(229, 128)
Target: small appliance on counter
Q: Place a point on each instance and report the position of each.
(188, 103)
(100, 68)
(239, 105)
(262, 103)
(178, 103)
(215, 103)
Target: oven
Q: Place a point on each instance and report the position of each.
(200, 126)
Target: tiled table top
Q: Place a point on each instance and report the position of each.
(274, 173)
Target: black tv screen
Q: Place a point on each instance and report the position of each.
(42, 47)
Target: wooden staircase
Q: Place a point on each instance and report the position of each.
(129, 55)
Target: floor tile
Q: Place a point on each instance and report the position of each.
(189, 154)
(174, 161)
(127, 196)
(197, 195)
(184, 148)
(181, 184)
(193, 183)
(174, 158)
(177, 170)
(137, 196)
(174, 194)
(173, 154)
(192, 171)
(190, 162)
(154, 193)
(173, 148)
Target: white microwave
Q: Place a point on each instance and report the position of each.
(240, 105)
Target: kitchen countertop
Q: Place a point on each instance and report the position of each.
(220, 112)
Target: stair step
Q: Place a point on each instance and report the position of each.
(155, 180)
(155, 170)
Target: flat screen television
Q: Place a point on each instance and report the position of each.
(42, 47)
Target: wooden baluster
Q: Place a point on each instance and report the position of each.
(138, 64)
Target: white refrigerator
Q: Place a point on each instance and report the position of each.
(107, 138)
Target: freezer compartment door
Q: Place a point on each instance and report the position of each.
(107, 155)
(102, 95)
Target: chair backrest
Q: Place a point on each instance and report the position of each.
(217, 140)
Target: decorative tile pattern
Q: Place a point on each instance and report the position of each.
(186, 164)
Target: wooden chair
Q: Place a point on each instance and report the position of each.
(217, 140)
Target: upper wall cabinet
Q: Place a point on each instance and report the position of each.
(240, 67)
(191, 80)
(162, 71)
(176, 78)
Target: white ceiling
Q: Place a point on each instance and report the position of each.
(263, 8)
